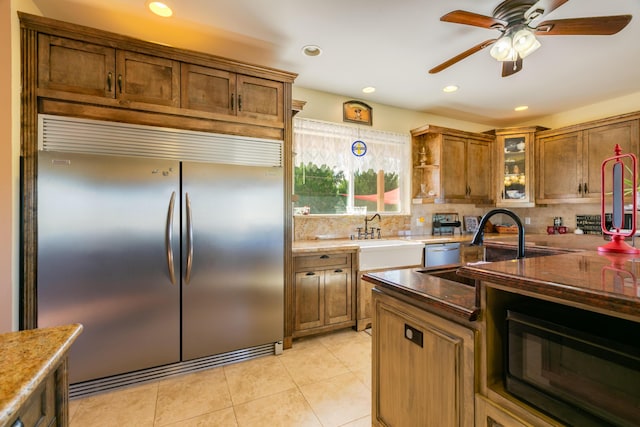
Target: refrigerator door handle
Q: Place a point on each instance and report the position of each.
(187, 275)
(169, 238)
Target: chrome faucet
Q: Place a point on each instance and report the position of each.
(479, 236)
(366, 227)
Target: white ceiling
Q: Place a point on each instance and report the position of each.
(391, 45)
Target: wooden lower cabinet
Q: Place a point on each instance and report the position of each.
(40, 407)
(324, 294)
(364, 303)
(423, 367)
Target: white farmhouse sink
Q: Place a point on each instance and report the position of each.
(387, 254)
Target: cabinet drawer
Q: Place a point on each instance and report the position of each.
(322, 261)
(39, 410)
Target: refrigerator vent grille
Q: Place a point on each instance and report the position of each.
(102, 385)
(60, 133)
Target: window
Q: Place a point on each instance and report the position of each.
(341, 169)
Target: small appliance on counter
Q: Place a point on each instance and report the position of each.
(445, 223)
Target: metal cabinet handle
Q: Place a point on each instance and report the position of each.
(585, 188)
(580, 188)
(239, 102)
(310, 273)
(324, 256)
(339, 270)
(187, 275)
(120, 82)
(233, 100)
(444, 250)
(169, 238)
(109, 81)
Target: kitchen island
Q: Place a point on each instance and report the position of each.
(599, 291)
(34, 388)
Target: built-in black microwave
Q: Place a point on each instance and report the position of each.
(579, 367)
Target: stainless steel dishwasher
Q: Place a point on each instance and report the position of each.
(438, 255)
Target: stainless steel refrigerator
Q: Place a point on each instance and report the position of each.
(161, 260)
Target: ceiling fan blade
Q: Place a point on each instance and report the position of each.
(597, 25)
(461, 56)
(475, 19)
(542, 7)
(511, 67)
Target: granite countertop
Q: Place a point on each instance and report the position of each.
(582, 277)
(348, 245)
(446, 296)
(28, 357)
(603, 282)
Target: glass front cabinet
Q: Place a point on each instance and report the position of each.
(515, 165)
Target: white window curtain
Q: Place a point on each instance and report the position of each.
(327, 143)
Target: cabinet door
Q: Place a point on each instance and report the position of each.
(560, 167)
(598, 145)
(260, 99)
(309, 300)
(337, 296)
(515, 170)
(208, 89)
(479, 170)
(453, 168)
(148, 79)
(75, 66)
(418, 370)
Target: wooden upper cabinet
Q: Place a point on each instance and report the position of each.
(208, 89)
(479, 170)
(260, 99)
(451, 166)
(217, 91)
(598, 145)
(515, 160)
(454, 177)
(149, 79)
(90, 69)
(569, 162)
(75, 66)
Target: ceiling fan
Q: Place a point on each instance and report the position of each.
(516, 21)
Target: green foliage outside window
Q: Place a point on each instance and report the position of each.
(325, 190)
(319, 188)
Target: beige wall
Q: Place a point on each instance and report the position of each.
(328, 107)
(7, 204)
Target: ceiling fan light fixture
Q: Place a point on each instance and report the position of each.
(502, 50)
(525, 42)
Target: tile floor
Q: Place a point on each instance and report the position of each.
(321, 381)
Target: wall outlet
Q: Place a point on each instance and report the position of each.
(527, 220)
(420, 221)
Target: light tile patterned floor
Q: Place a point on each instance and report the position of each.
(322, 381)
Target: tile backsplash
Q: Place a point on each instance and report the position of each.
(311, 227)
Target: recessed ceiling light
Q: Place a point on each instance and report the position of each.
(521, 108)
(311, 50)
(160, 8)
(369, 89)
(450, 88)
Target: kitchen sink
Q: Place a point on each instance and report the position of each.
(450, 274)
(388, 254)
